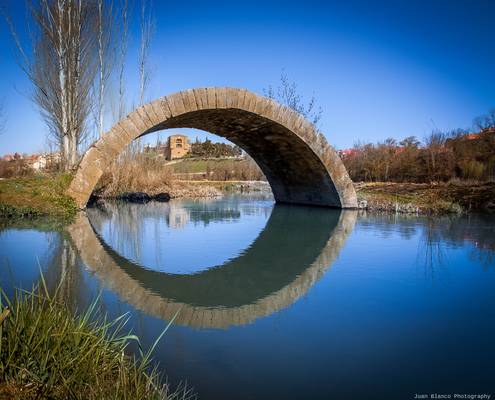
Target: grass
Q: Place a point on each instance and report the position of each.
(35, 197)
(190, 166)
(49, 352)
(200, 165)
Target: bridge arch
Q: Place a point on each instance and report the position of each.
(299, 164)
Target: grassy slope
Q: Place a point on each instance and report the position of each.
(200, 165)
(38, 196)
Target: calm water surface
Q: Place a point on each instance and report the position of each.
(283, 302)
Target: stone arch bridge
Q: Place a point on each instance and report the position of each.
(301, 167)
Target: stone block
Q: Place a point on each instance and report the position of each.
(189, 100)
(221, 94)
(201, 98)
(211, 98)
(138, 121)
(176, 104)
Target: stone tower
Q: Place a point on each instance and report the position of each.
(177, 147)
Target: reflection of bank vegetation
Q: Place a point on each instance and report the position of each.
(439, 234)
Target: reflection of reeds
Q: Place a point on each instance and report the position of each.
(431, 249)
(483, 257)
(456, 232)
(125, 223)
(46, 351)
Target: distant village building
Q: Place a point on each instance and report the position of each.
(36, 162)
(43, 161)
(347, 153)
(177, 147)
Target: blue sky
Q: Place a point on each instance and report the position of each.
(378, 69)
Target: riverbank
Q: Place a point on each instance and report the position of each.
(45, 196)
(441, 198)
(404, 198)
(186, 189)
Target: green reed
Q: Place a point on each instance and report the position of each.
(47, 351)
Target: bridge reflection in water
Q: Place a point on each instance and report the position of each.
(288, 257)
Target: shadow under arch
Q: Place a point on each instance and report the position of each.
(293, 251)
(299, 164)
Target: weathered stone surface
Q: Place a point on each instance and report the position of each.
(144, 116)
(200, 97)
(138, 121)
(176, 104)
(298, 162)
(221, 97)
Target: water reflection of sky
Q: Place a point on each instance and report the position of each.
(23, 253)
(183, 237)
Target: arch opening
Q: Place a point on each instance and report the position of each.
(299, 165)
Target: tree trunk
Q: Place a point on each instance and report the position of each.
(72, 151)
(65, 152)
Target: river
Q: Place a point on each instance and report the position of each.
(281, 302)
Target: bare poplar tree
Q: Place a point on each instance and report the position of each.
(105, 28)
(146, 25)
(287, 94)
(124, 10)
(60, 63)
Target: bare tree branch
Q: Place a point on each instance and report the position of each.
(124, 9)
(485, 121)
(287, 94)
(147, 27)
(105, 65)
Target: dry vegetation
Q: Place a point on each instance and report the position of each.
(443, 157)
(142, 173)
(424, 198)
(135, 173)
(15, 168)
